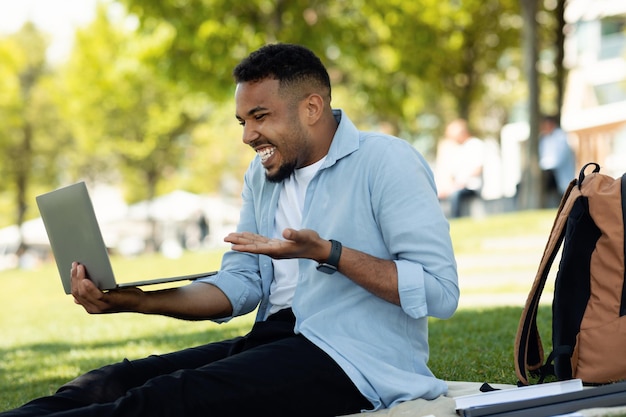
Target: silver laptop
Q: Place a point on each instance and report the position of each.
(74, 235)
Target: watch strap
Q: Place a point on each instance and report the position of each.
(335, 253)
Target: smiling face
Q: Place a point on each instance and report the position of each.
(273, 126)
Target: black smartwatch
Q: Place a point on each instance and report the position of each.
(332, 263)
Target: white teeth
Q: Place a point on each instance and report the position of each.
(265, 153)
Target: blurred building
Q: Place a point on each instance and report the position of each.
(594, 105)
(594, 108)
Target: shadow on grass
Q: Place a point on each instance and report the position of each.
(39, 369)
(478, 345)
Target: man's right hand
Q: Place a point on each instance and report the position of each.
(95, 301)
(195, 301)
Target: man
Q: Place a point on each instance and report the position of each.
(556, 159)
(342, 323)
(459, 166)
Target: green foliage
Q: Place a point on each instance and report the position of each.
(217, 159)
(127, 119)
(455, 48)
(436, 58)
(30, 130)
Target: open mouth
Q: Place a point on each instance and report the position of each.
(266, 153)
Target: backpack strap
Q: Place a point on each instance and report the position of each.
(529, 354)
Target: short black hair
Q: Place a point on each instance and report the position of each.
(288, 63)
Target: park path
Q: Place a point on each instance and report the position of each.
(502, 271)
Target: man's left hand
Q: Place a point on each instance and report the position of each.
(303, 243)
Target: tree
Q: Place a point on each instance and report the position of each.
(28, 118)
(205, 39)
(128, 120)
(543, 35)
(551, 43)
(531, 175)
(559, 43)
(433, 56)
(436, 58)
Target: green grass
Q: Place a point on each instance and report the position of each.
(477, 344)
(47, 339)
(469, 235)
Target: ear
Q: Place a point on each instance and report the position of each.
(312, 108)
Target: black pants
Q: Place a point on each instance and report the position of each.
(270, 371)
(457, 199)
(551, 197)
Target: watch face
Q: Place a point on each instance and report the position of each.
(326, 268)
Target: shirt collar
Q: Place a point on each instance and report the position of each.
(345, 141)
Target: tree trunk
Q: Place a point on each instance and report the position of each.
(530, 188)
(154, 241)
(560, 53)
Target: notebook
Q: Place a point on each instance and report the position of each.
(610, 395)
(518, 393)
(74, 235)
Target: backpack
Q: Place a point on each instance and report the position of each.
(588, 308)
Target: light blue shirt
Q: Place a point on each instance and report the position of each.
(374, 193)
(555, 154)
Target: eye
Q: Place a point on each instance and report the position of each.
(257, 117)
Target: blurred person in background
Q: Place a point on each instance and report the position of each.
(459, 166)
(556, 159)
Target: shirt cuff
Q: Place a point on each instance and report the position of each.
(411, 288)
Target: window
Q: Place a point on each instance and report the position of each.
(613, 37)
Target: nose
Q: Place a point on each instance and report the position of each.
(249, 134)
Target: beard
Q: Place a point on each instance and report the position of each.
(298, 140)
(284, 172)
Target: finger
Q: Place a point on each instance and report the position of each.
(77, 274)
(246, 238)
(290, 234)
(235, 237)
(85, 295)
(85, 291)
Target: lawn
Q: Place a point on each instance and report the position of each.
(47, 339)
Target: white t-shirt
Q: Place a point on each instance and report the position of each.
(289, 215)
